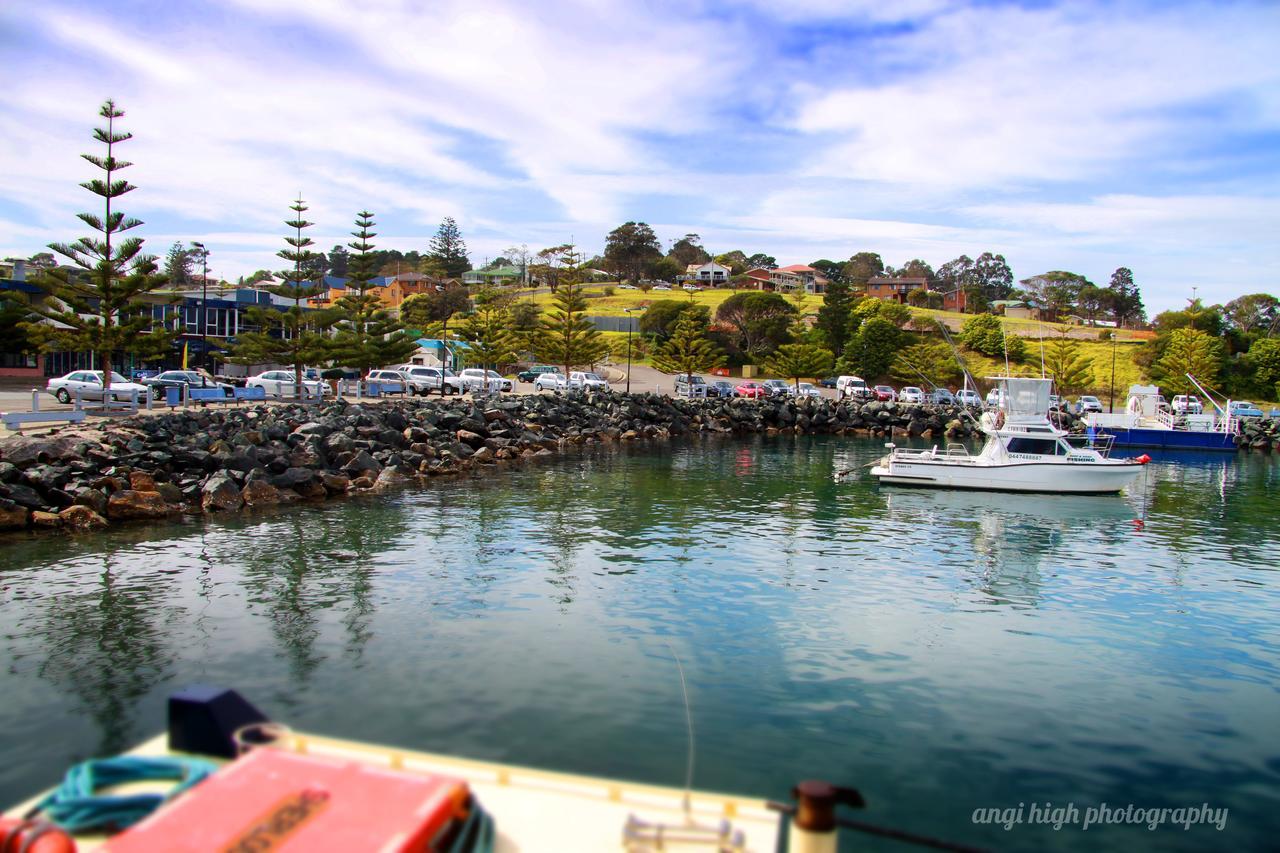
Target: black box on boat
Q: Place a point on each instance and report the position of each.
(202, 719)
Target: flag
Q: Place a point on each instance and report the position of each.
(184, 354)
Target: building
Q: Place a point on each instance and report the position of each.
(811, 279)
(500, 276)
(779, 280)
(895, 289)
(709, 274)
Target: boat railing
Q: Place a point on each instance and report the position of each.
(1100, 442)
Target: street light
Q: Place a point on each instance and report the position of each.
(1111, 404)
(204, 307)
(630, 324)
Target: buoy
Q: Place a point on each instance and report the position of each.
(1143, 459)
(1139, 524)
(33, 836)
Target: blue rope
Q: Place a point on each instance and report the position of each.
(76, 805)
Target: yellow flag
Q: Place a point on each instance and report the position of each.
(184, 354)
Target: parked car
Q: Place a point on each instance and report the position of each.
(663, 287)
(942, 397)
(689, 287)
(854, 387)
(1187, 404)
(184, 378)
(550, 382)
(968, 397)
(587, 381)
(807, 389)
(1243, 409)
(507, 384)
(89, 384)
(752, 390)
(827, 382)
(777, 387)
(280, 383)
(392, 381)
(531, 373)
(690, 386)
(1088, 404)
(479, 380)
(1055, 403)
(885, 393)
(624, 287)
(911, 394)
(996, 398)
(720, 388)
(423, 380)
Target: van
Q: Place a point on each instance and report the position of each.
(854, 388)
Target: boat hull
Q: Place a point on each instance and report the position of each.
(1096, 479)
(1172, 439)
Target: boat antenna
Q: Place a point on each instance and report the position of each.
(1040, 324)
(688, 719)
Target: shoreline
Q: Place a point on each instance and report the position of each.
(194, 462)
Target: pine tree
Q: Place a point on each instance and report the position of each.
(833, 316)
(178, 265)
(688, 350)
(1072, 371)
(448, 252)
(99, 309)
(300, 334)
(1189, 351)
(367, 335)
(490, 343)
(872, 349)
(925, 363)
(568, 338)
(800, 360)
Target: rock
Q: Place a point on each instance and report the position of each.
(45, 519)
(141, 481)
(361, 463)
(389, 478)
(260, 493)
(313, 489)
(81, 518)
(220, 494)
(25, 450)
(8, 472)
(335, 483)
(12, 515)
(170, 493)
(130, 504)
(93, 499)
(293, 477)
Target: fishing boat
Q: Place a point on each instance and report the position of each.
(1023, 452)
(224, 777)
(1149, 422)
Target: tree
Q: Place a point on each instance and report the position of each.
(688, 350)
(423, 310)
(490, 343)
(861, 267)
(568, 338)
(688, 250)
(1071, 369)
(1189, 351)
(1054, 293)
(1194, 316)
(759, 321)
(761, 260)
(984, 280)
(98, 307)
(735, 260)
(833, 316)
(552, 264)
(1125, 300)
(448, 250)
(659, 320)
(666, 269)
(869, 306)
(525, 321)
(1263, 360)
(931, 362)
(985, 334)
(1255, 313)
(631, 249)
(915, 268)
(520, 257)
(797, 361)
(367, 335)
(339, 261)
(831, 270)
(178, 265)
(299, 337)
(872, 349)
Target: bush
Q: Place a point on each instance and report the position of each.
(1106, 335)
(607, 290)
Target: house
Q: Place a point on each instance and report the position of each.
(778, 280)
(708, 274)
(1015, 309)
(895, 289)
(812, 280)
(499, 276)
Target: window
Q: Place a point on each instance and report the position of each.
(1034, 446)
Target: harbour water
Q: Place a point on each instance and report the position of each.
(942, 652)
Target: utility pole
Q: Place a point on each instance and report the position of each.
(630, 324)
(204, 309)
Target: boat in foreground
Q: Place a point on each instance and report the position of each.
(1023, 452)
(244, 783)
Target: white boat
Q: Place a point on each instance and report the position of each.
(1024, 452)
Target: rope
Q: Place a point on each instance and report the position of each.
(76, 805)
(477, 834)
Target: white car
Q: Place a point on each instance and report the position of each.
(280, 383)
(627, 287)
(504, 384)
(663, 287)
(855, 387)
(808, 389)
(392, 381)
(1185, 404)
(1089, 404)
(423, 380)
(477, 379)
(89, 384)
(968, 397)
(911, 394)
(996, 398)
(550, 382)
(689, 287)
(589, 381)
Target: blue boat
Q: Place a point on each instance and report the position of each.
(1149, 422)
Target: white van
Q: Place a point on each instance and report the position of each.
(853, 387)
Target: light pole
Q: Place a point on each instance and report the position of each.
(630, 323)
(1111, 404)
(204, 307)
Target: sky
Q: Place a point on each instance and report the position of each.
(1076, 136)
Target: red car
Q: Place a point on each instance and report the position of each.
(750, 389)
(886, 394)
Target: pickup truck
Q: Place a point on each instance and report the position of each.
(587, 381)
(690, 386)
(424, 380)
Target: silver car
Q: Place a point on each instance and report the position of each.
(280, 383)
(89, 384)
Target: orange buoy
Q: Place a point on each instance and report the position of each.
(33, 836)
(1143, 459)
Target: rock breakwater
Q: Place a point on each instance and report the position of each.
(155, 467)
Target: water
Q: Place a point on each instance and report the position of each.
(941, 651)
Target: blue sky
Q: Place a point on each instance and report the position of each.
(1080, 136)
